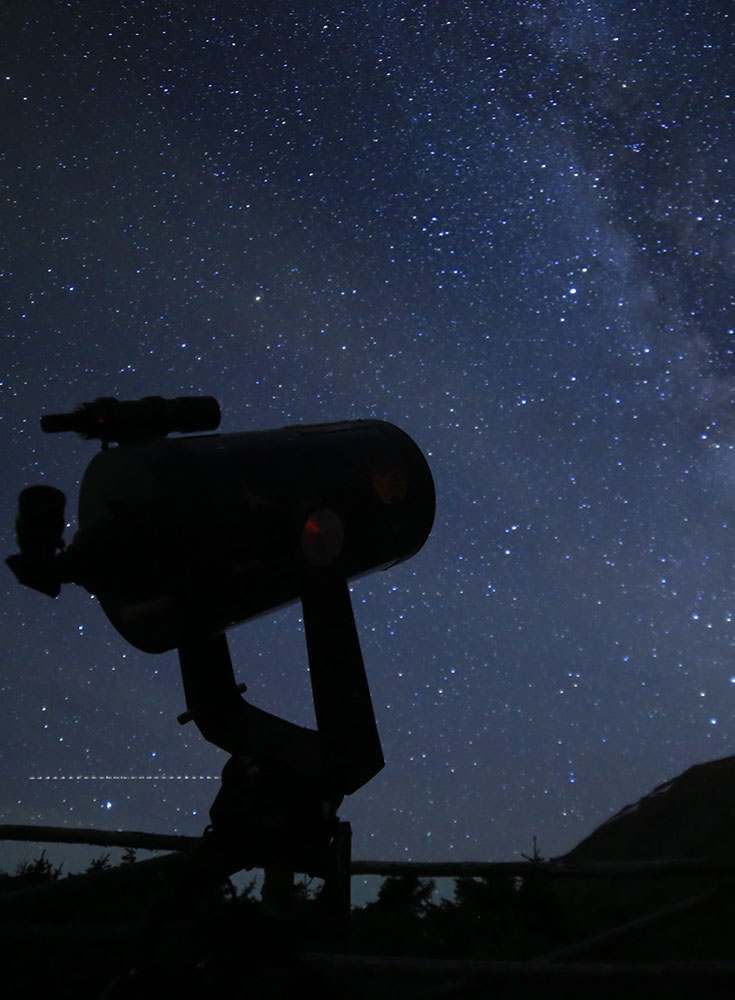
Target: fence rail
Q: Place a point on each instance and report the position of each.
(426, 869)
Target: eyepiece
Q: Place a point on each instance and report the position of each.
(57, 423)
(38, 530)
(40, 522)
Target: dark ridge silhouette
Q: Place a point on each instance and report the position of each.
(690, 816)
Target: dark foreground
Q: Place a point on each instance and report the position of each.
(136, 933)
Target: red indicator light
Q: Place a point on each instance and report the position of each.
(322, 537)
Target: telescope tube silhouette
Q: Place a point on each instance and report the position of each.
(195, 535)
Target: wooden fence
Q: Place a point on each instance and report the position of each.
(425, 869)
(560, 970)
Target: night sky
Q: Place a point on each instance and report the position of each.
(505, 227)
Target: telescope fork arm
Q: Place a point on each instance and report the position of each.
(224, 718)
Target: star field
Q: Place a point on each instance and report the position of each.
(507, 228)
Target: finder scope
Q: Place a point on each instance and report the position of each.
(144, 419)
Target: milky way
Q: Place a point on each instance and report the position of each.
(506, 228)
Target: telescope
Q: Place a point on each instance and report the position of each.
(183, 538)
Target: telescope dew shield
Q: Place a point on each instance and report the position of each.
(192, 536)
